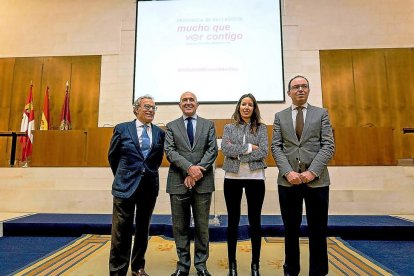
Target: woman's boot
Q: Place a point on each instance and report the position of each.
(232, 268)
(255, 269)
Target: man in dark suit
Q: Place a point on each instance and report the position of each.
(191, 148)
(135, 154)
(302, 146)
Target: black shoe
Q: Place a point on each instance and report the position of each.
(287, 272)
(232, 269)
(203, 273)
(179, 272)
(255, 269)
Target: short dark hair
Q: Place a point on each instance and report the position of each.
(255, 120)
(295, 77)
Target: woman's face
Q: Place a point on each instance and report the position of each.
(246, 109)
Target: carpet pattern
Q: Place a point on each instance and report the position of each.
(89, 256)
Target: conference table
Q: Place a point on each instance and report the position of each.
(14, 135)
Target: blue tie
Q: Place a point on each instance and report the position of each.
(190, 131)
(145, 141)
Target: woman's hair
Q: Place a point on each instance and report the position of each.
(255, 120)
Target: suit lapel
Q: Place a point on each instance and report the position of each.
(134, 135)
(154, 131)
(183, 130)
(199, 127)
(309, 115)
(289, 123)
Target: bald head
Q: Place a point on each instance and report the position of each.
(188, 103)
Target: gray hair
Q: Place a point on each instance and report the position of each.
(137, 102)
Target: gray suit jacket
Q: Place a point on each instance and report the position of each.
(181, 155)
(233, 147)
(314, 149)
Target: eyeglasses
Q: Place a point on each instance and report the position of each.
(149, 107)
(299, 86)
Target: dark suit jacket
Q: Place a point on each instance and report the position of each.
(181, 155)
(314, 149)
(127, 162)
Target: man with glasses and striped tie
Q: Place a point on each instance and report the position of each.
(135, 155)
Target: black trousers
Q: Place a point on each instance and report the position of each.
(316, 202)
(139, 207)
(255, 193)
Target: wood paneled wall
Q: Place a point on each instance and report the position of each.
(371, 88)
(83, 74)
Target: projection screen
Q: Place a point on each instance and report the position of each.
(217, 49)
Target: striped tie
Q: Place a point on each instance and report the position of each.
(145, 141)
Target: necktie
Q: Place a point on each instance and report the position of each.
(145, 141)
(299, 122)
(190, 131)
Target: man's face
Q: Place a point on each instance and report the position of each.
(299, 91)
(188, 104)
(145, 111)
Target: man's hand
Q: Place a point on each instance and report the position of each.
(307, 177)
(294, 178)
(255, 147)
(189, 182)
(196, 172)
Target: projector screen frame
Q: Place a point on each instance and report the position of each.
(283, 100)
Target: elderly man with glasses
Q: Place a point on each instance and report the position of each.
(135, 155)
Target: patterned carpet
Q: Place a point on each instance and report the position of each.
(88, 255)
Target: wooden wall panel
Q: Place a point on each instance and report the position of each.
(26, 70)
(338, 87)
(400, 75)
(84, 98)
(97, 146)
(16, 74)
(359, 146)
(6, 81)
(56, 148)
(56, 72)
(371, 93)
(383, 81)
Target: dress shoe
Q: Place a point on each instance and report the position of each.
(179, 272)
(232, 269)
(203, 273)
(255, 269)
(140, 272)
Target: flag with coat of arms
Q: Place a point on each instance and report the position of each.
(27, 125)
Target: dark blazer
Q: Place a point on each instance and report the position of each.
(314, 149)
(127, 162)
(181, 155)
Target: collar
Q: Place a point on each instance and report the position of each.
(194, 117)
(304, 106)
(139, 124)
